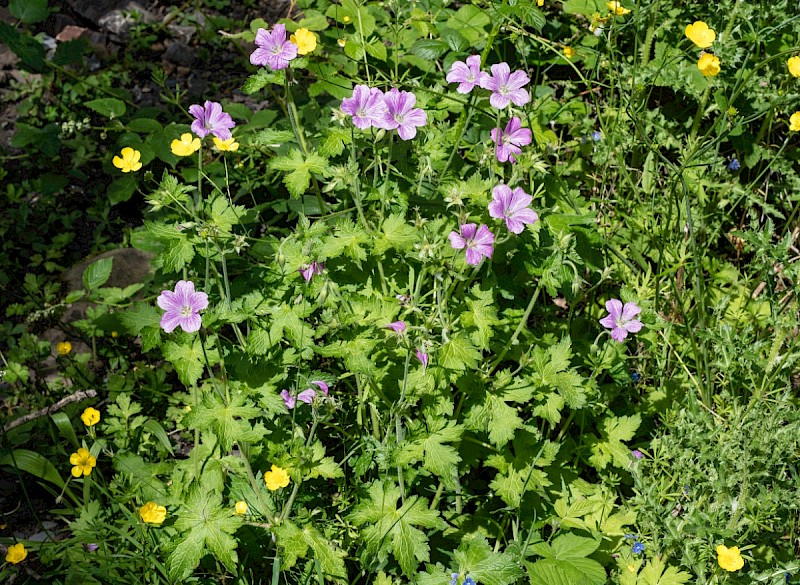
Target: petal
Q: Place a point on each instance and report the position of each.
(514, 225)
(184, 289)
(496, 209)
(198, 301)
(458, 72)
(322, 385)
(416, 117)
(259, 57)
(614, 308)
(468, 230)
(456, 241)
(499, 101)
(618, 334)
(191, 323)
(521, 137)
(520, 97)
(502, 193)
(307, 396)
(473, 257)
(166, 300)
(518, 79)
(633, 326)
(496, 134)
(500, 73)
(608, 322)
(504, 153)
(513, 125)
(466, 86)
(474, 62)
(407, 131)
(629, 311)
(484, 236)
(519, 200)
(288, 399)
(169, 321)
(526, 216)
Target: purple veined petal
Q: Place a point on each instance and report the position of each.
(514, 225)
(459, 72)
(517, 80)
(423, 358)
(456, 241)
(484, 236)
(614, 308)
(468, 230)
(406, 131)
(279, 34)
(288, 399)
(629, 311)
(260, 57)
(521, 137)
(416, 117)
(322, 385)
(307, 395)
(618, 334)
(169, 321)
(506, 152)
(513, 125)
(473, 257)
(397, 326)
(608, 321)
(501, 73)
(633, 326)
(499, 101)
(519, 200)
(496, 134)
(191, 323)
(520, 97)
(200, 301)
(474, 62)
(496, 209)
(167, 301)
(526, 215)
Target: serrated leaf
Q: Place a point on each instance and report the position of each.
(397, 234)
(261, 79)
(109, 107)
(458, 354)
(178, 254)
(97, 273)
(429, 49)
(657, 573)
(299, 170)
(609, 447)
(228, 421)
(29, 11)
(476, 558)
(139, 316)
(188, 358)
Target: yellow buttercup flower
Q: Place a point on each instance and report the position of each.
(341, 42)
(794, 66)
(90, 417)
(276, 478)
(729, 559)
(708, 65)
(16, 553)
(699, 33)
(794, 122)
(241, 508)
(617, 8)
(346, 19)
(152, 513)
(83, 462)
(539, 2)
(188, 144)
(63, 347)
(129, 160)
(569, 52)
(229, 145)
(305, 40)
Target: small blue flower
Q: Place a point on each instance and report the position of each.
(733, 165)
(636, 376)
(596, 136)
(630, 536)
(637, 548)
(469, 581)
(453, 578)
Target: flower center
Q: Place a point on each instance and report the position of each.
(186, 311)
(503, 90)
(399, 118)
(471, 77)
(276, 50)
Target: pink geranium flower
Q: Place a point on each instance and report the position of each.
(423, 357)
(366, 107)
(467, 75)
(478, 242)
(621, 319)
(182, 307)
(512, 206)
(397, 326)
(306, 395)
(273, 50)
(510, 140)
(309, 271)
(506, 87)
(401, 113)
(210, 119)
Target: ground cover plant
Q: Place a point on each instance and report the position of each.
(480, 292)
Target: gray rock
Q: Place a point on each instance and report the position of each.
(120, 21)
(180, 54)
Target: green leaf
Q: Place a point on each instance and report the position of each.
(109, 107)
(29, 11)
(43, 139)
(65, 428)
(295, 543)
(392, 530)
(122, 189)
(30, 51)
(204, 524)
(228, 421)
(471, 22)
(429, 49)
(585, 7)
(97, 273)
(188, 359)
(397, 234)
(144, 125)
(609, 448)
(481, 314)
(178, 254)
(34, 463)
(299, 170)
(476, 558)
(431, 449)
(263, 78)
(657, 573)
(348, 238)
(565, 562)
(139, 316)
(458, 354)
